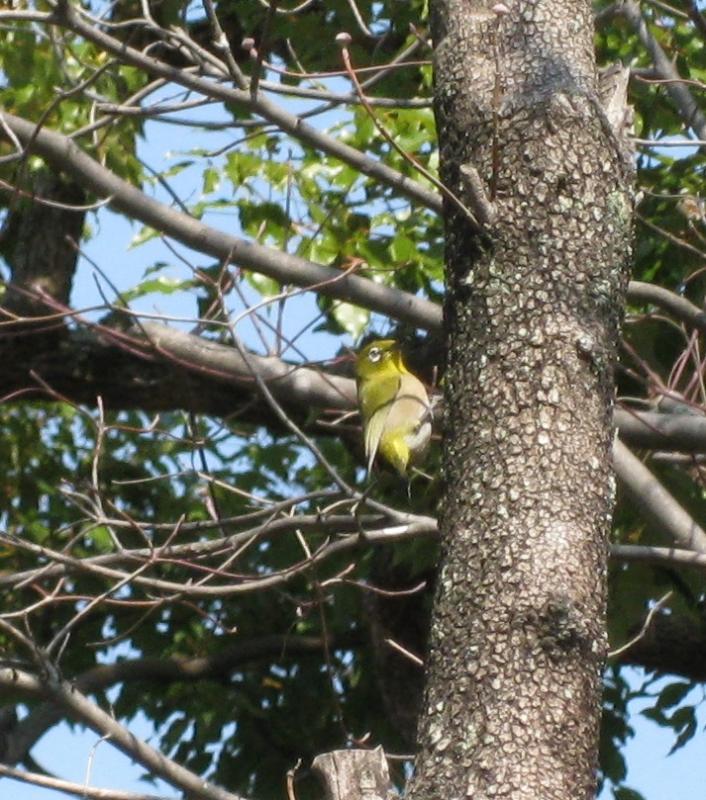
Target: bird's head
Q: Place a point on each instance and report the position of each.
(379, 358)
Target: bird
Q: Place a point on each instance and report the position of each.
(394, 406)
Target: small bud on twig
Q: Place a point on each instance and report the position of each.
(343, 39)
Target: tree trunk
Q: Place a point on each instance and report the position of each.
(39, 241)
(513, 694)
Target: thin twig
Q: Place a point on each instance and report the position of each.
(645, 626)
(345, 55)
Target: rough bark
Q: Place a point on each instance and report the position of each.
(39, 242)
(518, 637)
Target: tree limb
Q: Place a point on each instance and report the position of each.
(685, 433)
(408, 526)
(69, 787)
(65, 15)
(300, 385)
(656, 503)
(183, 371)
(681, 308)
(83, 710)
(217, 666)
(675, 88)
(64, 155)
(665, 556)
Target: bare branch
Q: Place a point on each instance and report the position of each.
(299, 385)
(343, 40)
(684, 310)
(69, 787)
(81, 708)
(674, 642)
(407, 526)
(216, 666)
(656, 502)
(681, 96)
(65, 155)
(67, 16)
(658, 555)
(645, 627)
(685, 433)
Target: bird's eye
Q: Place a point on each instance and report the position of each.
(374, 354)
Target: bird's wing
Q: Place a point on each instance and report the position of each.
(413, 401)
(414, 407)
(375, 426)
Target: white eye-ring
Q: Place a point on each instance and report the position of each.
(374, 354)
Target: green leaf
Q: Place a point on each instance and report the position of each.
(162, 284)
(352, 319)
(211, 180)
(403, 249)
(623, 793)
(656, 715)
(267, 287)
(145, 234)
(673, 694)
(101, 539)
(684, 721)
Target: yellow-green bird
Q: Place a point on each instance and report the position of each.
(394, 406)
